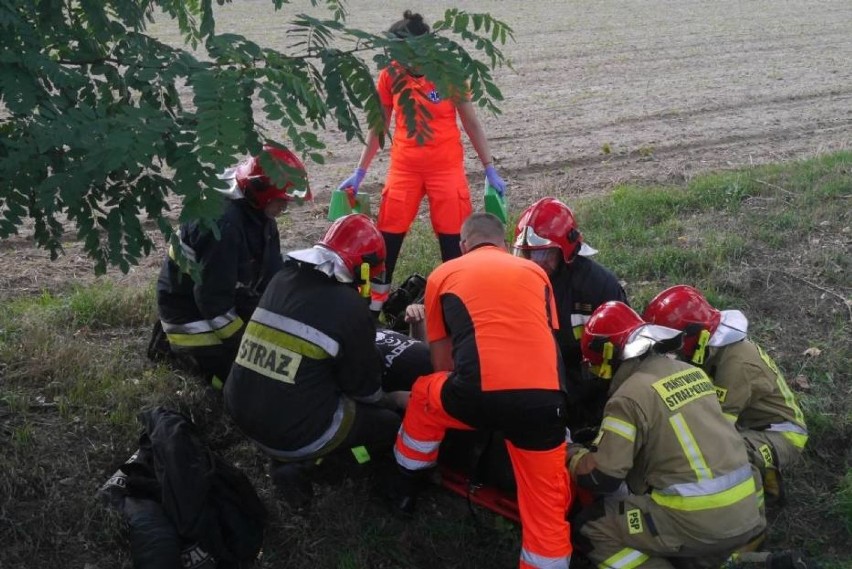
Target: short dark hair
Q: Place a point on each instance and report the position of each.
(410, 25)
(482, 227)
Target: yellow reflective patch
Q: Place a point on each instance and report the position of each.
(289, 341)
(634, 521)
(766, 453)
(268, 359)
(721, 394)
(361, 454)
(578, 332)
(683, 387)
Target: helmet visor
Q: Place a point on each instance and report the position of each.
(529, 238)
(534, 255)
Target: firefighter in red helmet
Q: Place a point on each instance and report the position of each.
(674, 474)
(751, 389)
(306, 382)
(547, 234)
(203, 320)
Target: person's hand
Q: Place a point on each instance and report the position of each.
(353, 181)
(494, 180)
(576, 452)
(415, 313)
(575, 449)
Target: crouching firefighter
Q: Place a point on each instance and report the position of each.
(306, 381)
(497, 368)
(204, 320)
(675, 473)
(751, 389)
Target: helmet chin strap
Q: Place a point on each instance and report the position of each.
(701, 347)
(604, 369)
(365, 280)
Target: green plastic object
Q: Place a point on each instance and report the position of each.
(494, 204)
(341, 204)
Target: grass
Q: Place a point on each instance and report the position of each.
(772, 241)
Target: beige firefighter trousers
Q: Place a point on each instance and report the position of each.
(633, 531)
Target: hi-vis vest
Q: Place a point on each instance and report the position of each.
(664, 432)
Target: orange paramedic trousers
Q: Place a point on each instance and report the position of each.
(543, 492)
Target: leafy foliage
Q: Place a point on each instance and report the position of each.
(95, 132)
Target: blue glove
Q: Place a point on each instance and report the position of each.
(354, 181)
(495, 180)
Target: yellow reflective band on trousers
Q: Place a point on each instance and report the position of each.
(539, 561)
(627, 558)
(722, 499)
(285, 340)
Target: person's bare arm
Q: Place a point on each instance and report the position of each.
(476, 134)
(371, 146)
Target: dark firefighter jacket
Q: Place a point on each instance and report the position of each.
(235, 270)
(578, 289)
(307, 353)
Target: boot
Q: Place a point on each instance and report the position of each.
(773, 487)
(790, 559)
(403, 489)
(292, 482)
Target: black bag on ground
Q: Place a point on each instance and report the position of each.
(411, 291)
(185, 506)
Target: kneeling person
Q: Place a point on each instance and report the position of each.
(490, 321)
(752, 390)
(307, 378)
(690, 490)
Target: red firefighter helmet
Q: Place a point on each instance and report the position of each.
(616, 331)
(548, 223)
(357, 241)
(260, 190)
(684, 308)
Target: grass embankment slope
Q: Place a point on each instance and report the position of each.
(772, 241)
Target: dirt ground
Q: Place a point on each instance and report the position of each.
(600, 93)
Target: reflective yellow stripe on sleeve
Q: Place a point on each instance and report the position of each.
(789, 398)
(230, 329)
(194, 340)
(619, 427)
(796, 439)
(730, 417)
